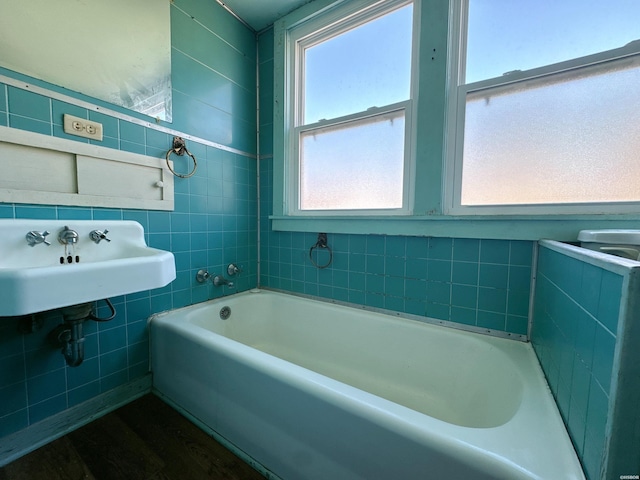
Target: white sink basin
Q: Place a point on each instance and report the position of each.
(622, 243)
(44, 277)
(621, 237)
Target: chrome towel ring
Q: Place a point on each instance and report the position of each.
(321, 243)
(180, 148)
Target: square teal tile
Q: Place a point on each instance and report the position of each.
(394, 286)
(131, 132)
(107, 214)
(43, 387)
(84, 393)
(14, 398)
(576, 426)
(517, 324)
(357, 262)
(597, 413)
(465, 273)
(74, 213)
(46, 408)
(464, 296)
(113, 362)
(6, 211)
(375, 264)
(439, 270)
(466, 316)
(518, 302)
(610, 297)
(86, 373)
(417, 247)
(375, 245)
(14, 422)
(30, 125)
(440, 248)
(28, 104)
(603, 353)
(160, 140)
(159, 222)
(132, 147)
(416, 289)
(116, 379)
(438, 311)
(590, 287)
(466, 249)
(112, 339)
(439, 292)
(38, 212)
(396, 246)
(492, 299)
(521, 253)
(492, 275)
(585, 338)
(374, 283)
(519, 277)
(491, 320)
(494, 251)
(416, 268)
(580, 385)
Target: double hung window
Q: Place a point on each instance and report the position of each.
(350, 110)
(545, 110)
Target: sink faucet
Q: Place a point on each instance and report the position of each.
(34, 238)
(67, 236)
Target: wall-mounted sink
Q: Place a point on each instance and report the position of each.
(100, 259)
(622, 243)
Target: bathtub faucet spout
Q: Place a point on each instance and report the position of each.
(219, 280)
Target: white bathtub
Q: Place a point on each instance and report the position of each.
(313, 390)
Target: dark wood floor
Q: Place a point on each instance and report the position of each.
(145, 439)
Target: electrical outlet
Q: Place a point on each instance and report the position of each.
(82, 127)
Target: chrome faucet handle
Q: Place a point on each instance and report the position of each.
(67, 236)
(34, 238)
(233, 269)
(202, 276)
(98, 235)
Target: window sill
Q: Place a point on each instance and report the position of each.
(556, 227)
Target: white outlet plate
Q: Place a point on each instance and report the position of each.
(82, 127)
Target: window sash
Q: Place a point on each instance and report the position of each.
(458, 94)
(312, 32)
(355, 119)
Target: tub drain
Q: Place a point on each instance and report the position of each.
(225, 312)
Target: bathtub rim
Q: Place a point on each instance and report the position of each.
(524, 338)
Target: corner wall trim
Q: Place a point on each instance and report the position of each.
(34, 436)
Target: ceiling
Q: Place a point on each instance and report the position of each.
(259, 14)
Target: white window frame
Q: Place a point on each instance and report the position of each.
(457, 95)
(322, 27)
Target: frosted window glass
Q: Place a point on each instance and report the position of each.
(355, 165)
(570, 138)
(364, 67)
(506, 35)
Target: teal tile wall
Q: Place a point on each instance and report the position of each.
(214, 222)
(575, 321)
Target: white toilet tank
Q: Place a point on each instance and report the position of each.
(623, 243)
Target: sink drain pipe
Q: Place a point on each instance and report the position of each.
(70, 334)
